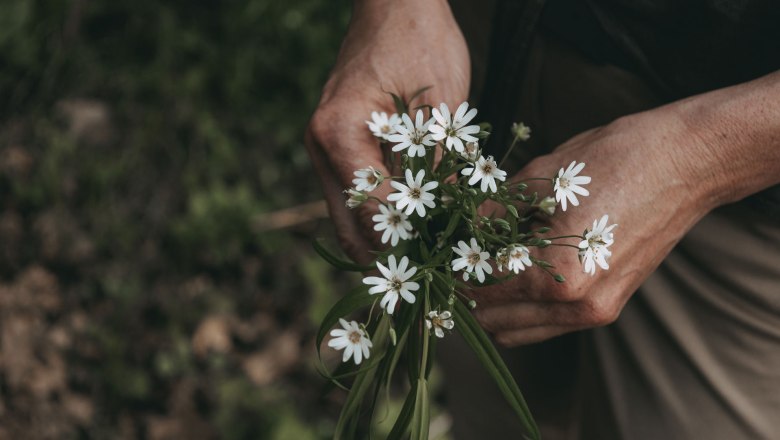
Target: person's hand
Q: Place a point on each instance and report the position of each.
(391, 46)
(646, 174)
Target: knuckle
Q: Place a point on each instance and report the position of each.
(599, 313)
(321, 124)
(566, 292)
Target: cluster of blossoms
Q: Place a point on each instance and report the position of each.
(416, 197)
(438, 234)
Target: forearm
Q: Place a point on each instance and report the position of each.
(736, 133)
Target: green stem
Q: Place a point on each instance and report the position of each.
(561, 244)
(563, 236)
(528, 179)
(508, 152)
(426, 335)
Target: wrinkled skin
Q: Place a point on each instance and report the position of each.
(655, 173)
(390, 47)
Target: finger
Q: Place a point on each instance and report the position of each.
(348, 145)
(531, 285)
(531, 335)
(348, 232)
(520, 315)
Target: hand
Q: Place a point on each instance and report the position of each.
(399, 47)
(644, 171)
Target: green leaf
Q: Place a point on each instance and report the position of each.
(413, 352)
(363, 382)
(453, 223)
(431, 355)
(400, 105)
(405, 416)
(421, 419)
(424, 107)
(338, 263)
(395, 355)
(419, 92)
(371, 363)
(491, 360)
(424, 254)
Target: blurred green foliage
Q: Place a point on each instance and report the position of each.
(139, 141)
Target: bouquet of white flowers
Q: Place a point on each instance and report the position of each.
(441, 245)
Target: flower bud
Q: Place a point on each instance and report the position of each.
(446, 199)
(502, 223)
(356, 198)
(393, 337)
(548, 205)
(471, 151)
(472, 304)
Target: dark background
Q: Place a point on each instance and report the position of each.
(152, 284)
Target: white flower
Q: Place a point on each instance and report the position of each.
(521, 131)
(394, 283)
(439, 321)
(454, 129)
(592, 256)
(473, 259)
(515, 258)
(413, 136)
(414, 195)
(395, 224)
(487, 171)
(471, 152)
(600, 235)
(356, 198)
(567, 184)
(381, 126)
(502, 259)
(594, 246)
(367, 179)
(352, 339)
